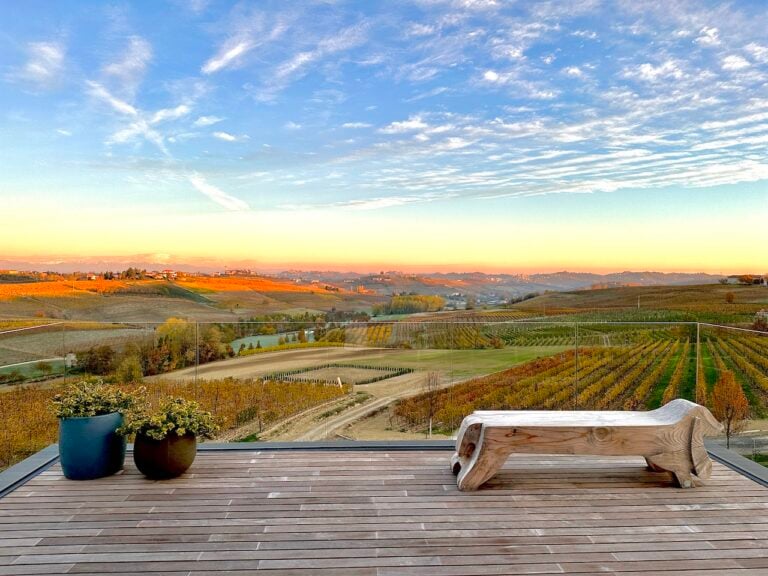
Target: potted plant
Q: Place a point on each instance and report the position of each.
(166, 440)
(89, 415)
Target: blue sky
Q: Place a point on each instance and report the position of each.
(346, 115)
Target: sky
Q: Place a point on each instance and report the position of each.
(433, 134)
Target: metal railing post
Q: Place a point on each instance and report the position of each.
(698, 350)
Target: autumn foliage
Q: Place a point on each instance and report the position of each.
(729, 404)
(29, 424)
(245, 284)
(60, 288)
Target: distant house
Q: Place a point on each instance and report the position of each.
(70, 360)
(757, 279)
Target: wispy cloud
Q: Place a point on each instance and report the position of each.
(117, 104)
(216, 194)
(708, 36)
(203, 121)
(227, 137)
(296, 66)
(144, 125)
(413, 123)
(356, 125)
(247, 32)
(758, 51)
(375, 203)
(170, 114)
(654, 73)
(44, 66)
(129, 69)
(228, 54)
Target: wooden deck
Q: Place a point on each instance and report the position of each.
(385, 513)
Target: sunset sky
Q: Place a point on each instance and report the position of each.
(434, 134)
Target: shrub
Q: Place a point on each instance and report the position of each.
(177, 416)
(92, 398)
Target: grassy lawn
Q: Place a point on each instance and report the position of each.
(760, 459)
(462, 363)
(30, 370)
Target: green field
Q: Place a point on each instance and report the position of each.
(30, 369)
(461, 363)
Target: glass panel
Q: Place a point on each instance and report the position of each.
(740, 355)
(388, 379)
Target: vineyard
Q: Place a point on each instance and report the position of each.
(482, 333)
(420, 335)
(348, 373)
(28, 424)
(59, 288)
(660, 365)
(245, 284)
(716, 303)
(743, 353)
(585, 334)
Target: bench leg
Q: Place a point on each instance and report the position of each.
(652, 467)
(475, 471)
(690, 465)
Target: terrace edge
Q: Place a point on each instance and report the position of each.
(20, 473)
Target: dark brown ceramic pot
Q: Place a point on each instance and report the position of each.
(166, 458)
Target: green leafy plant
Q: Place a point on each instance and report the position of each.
(175, 416)
(93, 398)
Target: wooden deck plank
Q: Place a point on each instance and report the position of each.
(380, 513)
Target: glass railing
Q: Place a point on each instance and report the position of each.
(382, 380)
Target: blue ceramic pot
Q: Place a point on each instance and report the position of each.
(89, 447)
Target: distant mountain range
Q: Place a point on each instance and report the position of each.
(488, 287)
(495, 286)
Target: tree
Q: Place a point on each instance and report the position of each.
(729, 404)
(746, 279)
(44, 367)
(210, 347)
(242, 348)
(729, 297)
(302, 336)
(178, 336)
(723, 281)
(129, 370)
(99, 360)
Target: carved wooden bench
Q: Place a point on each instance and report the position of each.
(670, 438)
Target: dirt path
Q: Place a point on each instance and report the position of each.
(383, 394)
(273, 431)
(309, 425)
